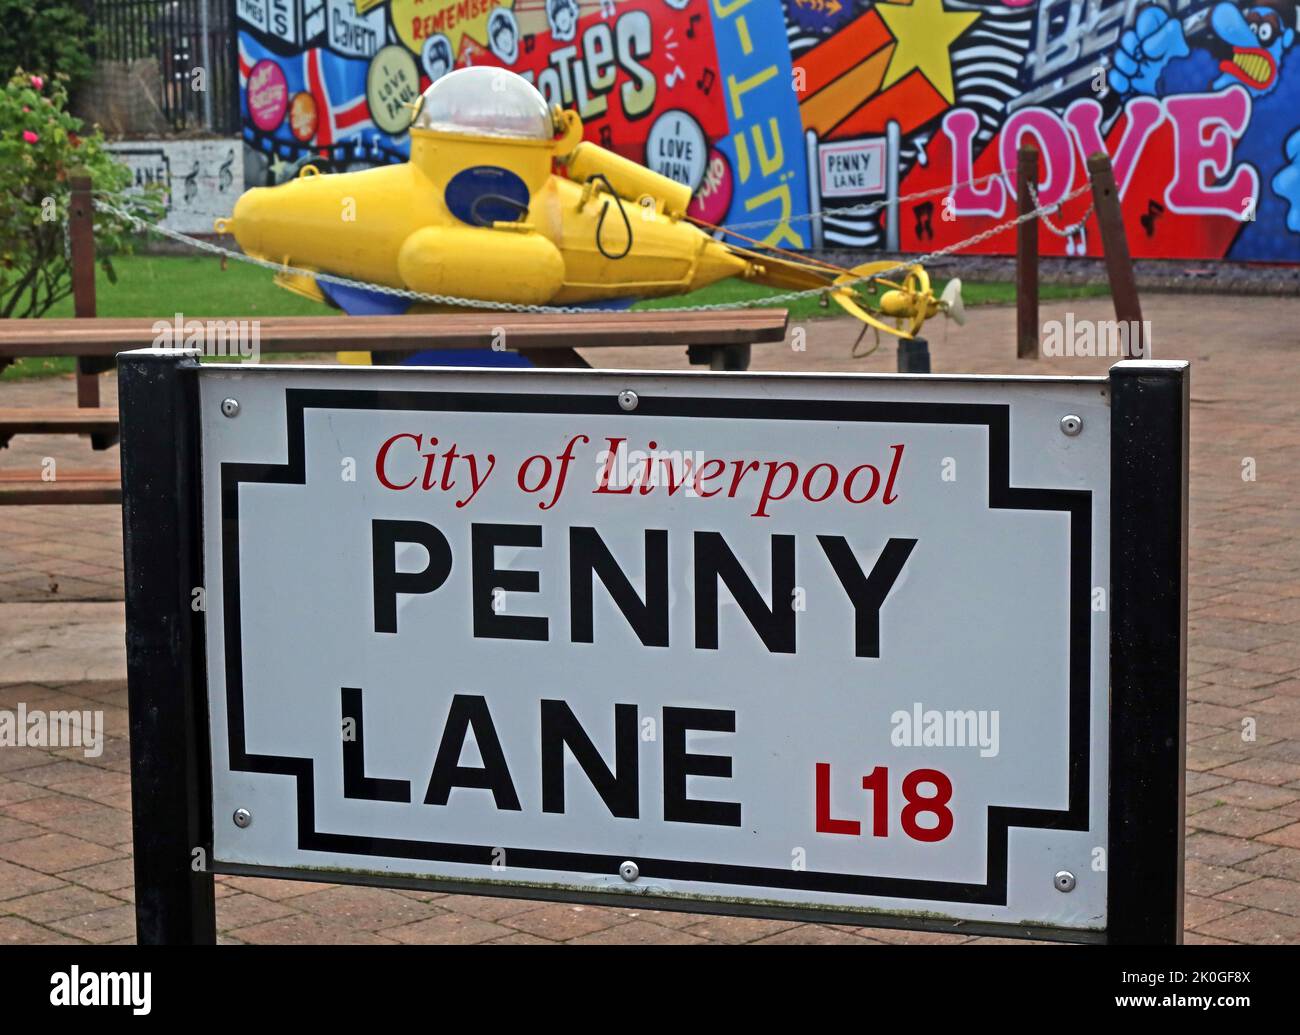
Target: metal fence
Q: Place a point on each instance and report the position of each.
(192, 42)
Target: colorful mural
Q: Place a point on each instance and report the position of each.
(795, 120)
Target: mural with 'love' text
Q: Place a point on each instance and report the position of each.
(794, 120)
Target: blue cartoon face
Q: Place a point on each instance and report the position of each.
(1257, 37)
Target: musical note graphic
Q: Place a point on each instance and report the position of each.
(706, 81)
(690, 29)
(924, 213)
(225, 177)
(530, 41)
(1148, 220)
(674, 77)
(192, 183)
(606, 137)
(607, 9)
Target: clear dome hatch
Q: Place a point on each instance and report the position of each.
(485, 101)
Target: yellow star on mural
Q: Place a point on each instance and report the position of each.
(924, 31)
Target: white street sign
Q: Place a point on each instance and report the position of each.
(851, 168)
(807, 643)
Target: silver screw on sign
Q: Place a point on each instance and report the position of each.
(1071, 424)
(629, 871)
(230, 407)
(1064, 880)
(243, 818)
(627, 400)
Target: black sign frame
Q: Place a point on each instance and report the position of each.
(168, 702)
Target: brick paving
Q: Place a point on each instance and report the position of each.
(65, 872)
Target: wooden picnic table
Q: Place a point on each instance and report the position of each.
(719, 338)
(100, 423)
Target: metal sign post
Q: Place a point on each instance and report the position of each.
(1150, 403)
(877, 650)
(161, 534)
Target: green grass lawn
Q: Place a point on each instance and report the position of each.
(161, 286)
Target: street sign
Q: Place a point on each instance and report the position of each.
(852, 168)
(826, 647)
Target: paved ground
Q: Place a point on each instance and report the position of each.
(65, 869)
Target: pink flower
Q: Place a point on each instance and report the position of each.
(30, 137)
(37, 82)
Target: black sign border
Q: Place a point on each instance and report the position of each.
(1002, 496)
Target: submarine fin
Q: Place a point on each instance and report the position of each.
(300, 284)
(357, 301)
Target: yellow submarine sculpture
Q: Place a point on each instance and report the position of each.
(479, 212)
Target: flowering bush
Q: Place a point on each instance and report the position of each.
(41, 147)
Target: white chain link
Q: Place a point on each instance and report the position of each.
(866, 208)
(1060, 231)
(519, 307)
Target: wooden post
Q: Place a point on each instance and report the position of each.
(1119, 264)
(81, 234)
(1026, 255)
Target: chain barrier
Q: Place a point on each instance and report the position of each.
(864, 209)
(518, 307)
(1067, 231)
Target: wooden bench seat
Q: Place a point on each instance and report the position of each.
(27, 487)
(100, 423)
(533, 334)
